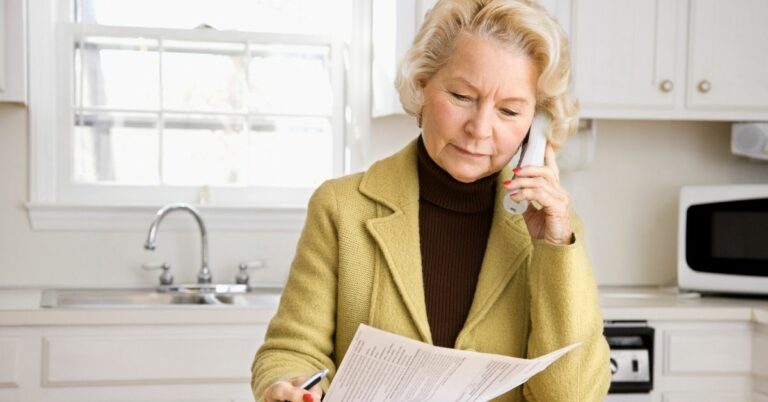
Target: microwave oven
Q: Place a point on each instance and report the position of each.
(723, 239)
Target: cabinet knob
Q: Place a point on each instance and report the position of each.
(704, 86)
(666, 86)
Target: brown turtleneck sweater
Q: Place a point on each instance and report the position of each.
(454, 222)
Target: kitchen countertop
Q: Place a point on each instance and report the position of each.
(667, 303)
(22, 307)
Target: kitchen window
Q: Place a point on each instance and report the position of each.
(228, 103)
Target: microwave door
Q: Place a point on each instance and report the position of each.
(728, 237)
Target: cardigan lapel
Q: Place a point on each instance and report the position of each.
(393, 182)
(507, 244)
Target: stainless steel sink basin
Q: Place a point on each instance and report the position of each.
(262, 297)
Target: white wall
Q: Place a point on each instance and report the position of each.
(627, 198)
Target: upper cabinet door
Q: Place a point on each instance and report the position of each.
(13, 61)
(728, 57)
(626, 53)
(394, 25)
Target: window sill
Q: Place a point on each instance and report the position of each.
(52, 217)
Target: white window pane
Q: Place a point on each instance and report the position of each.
(203, 76)
(203, 150)
(279, 16)
(290, 79)
(117, 148)
(117, 73)
(290, 153)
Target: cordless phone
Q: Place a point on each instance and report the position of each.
(531, 154)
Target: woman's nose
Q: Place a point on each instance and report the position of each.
(480, 124)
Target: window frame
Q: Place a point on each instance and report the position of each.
(55, 205)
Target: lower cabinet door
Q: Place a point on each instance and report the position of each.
(629, 398)
(705, 397)
(149, 359)
(146, 363)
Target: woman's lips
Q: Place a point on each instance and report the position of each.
(465, 152)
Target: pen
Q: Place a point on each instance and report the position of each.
(314, 379)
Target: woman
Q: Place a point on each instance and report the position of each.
(420, 244)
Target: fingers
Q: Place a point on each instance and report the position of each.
(538, 189)
(549, 171)
(540, 184)
(552, 222)
(285, 391)
(317, 393)
(534, 177)
(550, 161)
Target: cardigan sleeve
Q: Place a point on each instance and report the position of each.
(299, 339)
(564, 310)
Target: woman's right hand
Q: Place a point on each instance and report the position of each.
(289, 391)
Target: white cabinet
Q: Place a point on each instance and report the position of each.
(394, 24)
(707, 350)
(704, 361)
(13, 64)
(628, 53)
(671, 59)
(128, 363)
(705, 397)
(728, 55)
(632, 59)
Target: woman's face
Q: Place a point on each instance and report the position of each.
(478, 108)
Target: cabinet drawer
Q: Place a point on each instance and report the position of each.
(704, 397)
(706, 351)
(113, 360)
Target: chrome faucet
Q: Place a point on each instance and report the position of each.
(204, 276)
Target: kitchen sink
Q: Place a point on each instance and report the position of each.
(179, 296)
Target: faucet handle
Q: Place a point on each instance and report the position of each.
(242, 271)
(165, 277)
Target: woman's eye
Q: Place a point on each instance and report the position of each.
(508, 112)
(460, 97)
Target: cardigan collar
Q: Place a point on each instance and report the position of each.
(393, 182)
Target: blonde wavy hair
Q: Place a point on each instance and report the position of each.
(522, 26)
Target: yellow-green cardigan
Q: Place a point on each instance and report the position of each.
(358, 261)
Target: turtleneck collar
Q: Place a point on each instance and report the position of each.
(438, 187)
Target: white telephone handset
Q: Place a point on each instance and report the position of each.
(531, 153)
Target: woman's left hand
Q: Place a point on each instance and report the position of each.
(542, 184)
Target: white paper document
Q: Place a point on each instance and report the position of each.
(380, 366)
